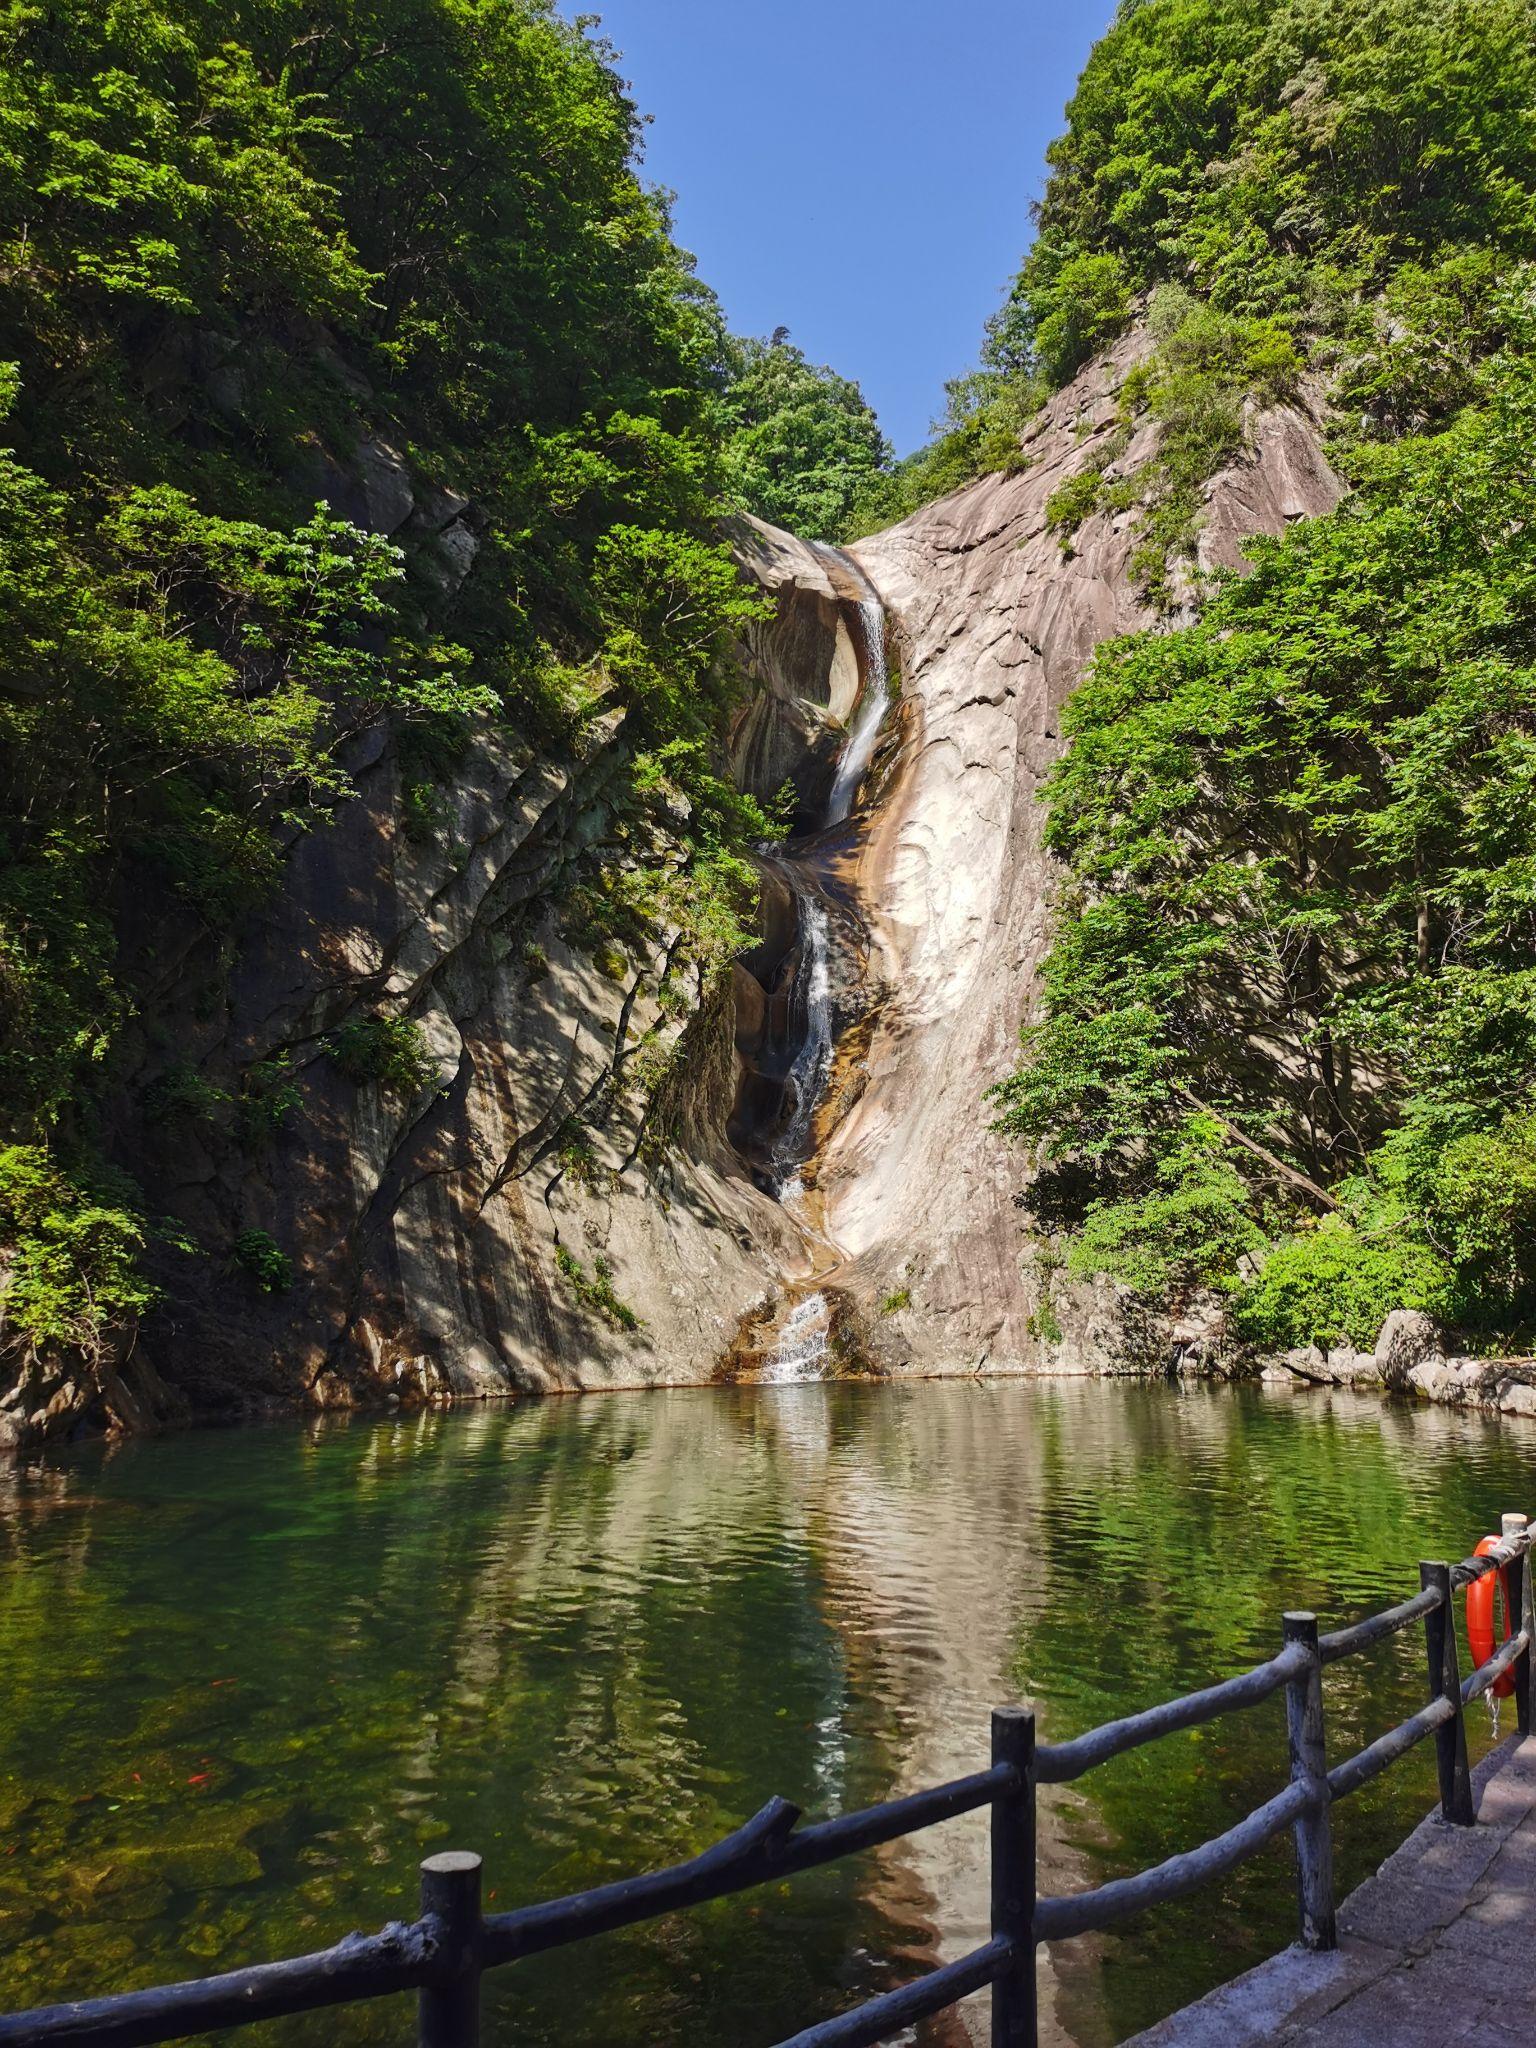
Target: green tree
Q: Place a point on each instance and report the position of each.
(253, 260)
(1299, 897)
(1354, 178)
(803, 446)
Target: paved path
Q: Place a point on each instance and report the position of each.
(1437, 1949)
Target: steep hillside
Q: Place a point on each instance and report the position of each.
(478, 914)
(1278, 1078)
(368, 654)
(997, 627)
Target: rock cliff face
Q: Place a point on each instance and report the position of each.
(498, 1229)
(806, 664)
(996, 625)
(453, 1240)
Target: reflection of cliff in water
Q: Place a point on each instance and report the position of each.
(928, 1542)
(587, 1638)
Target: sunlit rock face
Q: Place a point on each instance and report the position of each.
(426, 1230)
(444, 1240)
(426, 1226)
(996, 624)
(805, 665)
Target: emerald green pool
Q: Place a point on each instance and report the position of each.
(249, 1679)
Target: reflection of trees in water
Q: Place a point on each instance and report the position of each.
(1099, 1547)
(587, 1637)
(1180, 1524)
(582, 1640)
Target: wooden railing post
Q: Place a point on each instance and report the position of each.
(1517, 1578)
(1445, 1683)
(448, 2009)
(1014, 2017)
(1313, 1826)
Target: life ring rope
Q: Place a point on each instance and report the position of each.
(1480, 1636)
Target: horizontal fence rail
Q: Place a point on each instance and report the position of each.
(443, 1954)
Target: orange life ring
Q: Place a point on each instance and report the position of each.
(1480, 1638)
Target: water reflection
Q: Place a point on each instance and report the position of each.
(251, 1678)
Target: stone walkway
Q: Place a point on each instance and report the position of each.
(1438, 1948)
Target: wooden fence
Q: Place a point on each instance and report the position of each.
(443, 1954)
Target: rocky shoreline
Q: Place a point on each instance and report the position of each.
(1410, 1358)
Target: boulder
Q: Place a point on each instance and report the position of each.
(1350, 1368)
(439, 507)
(386, 486)
(1197, 1341)
(1408, 1338)
(1309, 1363)
(1434, 1379)
(1472, 1379)
(460, 548)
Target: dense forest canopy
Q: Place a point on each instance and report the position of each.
(262, 264)
(803, 447)
(1288, 1047)
(1287, 166)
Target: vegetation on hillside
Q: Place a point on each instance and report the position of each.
(248, 256)
(1288, 1044)
(802, 445)
(1289, 166)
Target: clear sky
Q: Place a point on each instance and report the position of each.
(858, 171)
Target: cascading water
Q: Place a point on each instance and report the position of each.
(803, 1347)
(805, 1343)
(873, 705)
(813, 1061)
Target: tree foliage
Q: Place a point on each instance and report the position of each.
(1317, 172)
(1277, 160)
(1299, 907)
(803, 446)
(248, 254)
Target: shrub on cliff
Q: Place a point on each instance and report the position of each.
(391, 1051)
(1298, 899)
(69, 1273)
(282, 287)
(1330, 1286)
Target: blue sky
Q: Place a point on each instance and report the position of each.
(859, 171)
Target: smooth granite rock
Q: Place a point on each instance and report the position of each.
(996, 623)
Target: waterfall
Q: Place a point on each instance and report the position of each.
(873, 704)
(804, 1344)
(802, 868)
(813, 1060)
(812, 870)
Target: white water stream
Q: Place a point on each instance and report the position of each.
(804, 1342)
(870, 716)
(813, 1060)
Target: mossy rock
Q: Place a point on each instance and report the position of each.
(215, 1941)
(190, 1867)
(129, 1888)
